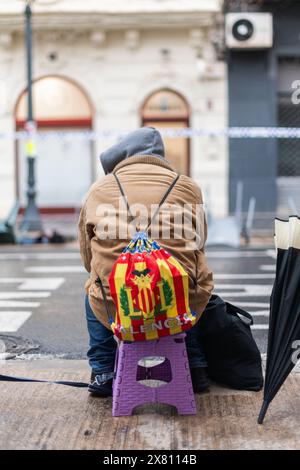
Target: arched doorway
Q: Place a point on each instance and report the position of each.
(63, 167)
(166, 108)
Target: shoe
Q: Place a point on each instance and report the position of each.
(101, 384)
(199, 379)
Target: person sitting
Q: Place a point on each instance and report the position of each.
(140, 164)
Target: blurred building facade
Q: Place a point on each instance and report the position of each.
(261, 84)
(112, 65)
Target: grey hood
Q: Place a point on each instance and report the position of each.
(143, 141)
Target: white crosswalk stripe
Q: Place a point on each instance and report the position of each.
(39, 256)
(34, 283)
(11, 321)
(42, 284)
(243, 290)
(26, 288)
(240, 254)
(234, 294)
(245, 287)
(243, 276)
(24, 295)
(18, 303)
(261, 313)
(253, 304)
(260, 327)
(267, 267)
(271, 253)
(55, 269)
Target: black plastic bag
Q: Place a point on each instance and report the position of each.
(232, 355)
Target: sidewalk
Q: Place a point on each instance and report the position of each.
(46, 416)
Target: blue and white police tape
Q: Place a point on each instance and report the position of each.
(188, 132)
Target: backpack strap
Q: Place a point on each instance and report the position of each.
(124, 196)
(162, 201)
(159, 204)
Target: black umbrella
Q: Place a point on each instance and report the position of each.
(284, 324)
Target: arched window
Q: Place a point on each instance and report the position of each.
(166, 108)
(57, 102)
(63, 168)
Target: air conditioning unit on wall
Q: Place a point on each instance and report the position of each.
(249, 30)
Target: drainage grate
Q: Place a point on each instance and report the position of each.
(12, 346)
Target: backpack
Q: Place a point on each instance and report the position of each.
(149, 288)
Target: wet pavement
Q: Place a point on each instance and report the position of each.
(47, 416)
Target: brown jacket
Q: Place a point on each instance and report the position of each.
(144, 179)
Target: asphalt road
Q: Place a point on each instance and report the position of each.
(42, 295)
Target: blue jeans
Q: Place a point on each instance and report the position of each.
(102, 351)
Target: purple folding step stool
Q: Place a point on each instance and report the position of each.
(128, 392)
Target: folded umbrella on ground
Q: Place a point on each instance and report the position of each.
(284, 324)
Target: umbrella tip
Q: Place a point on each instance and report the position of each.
(263, 411)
